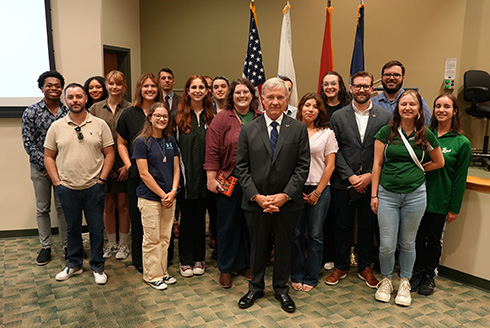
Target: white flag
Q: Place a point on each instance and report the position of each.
(286, 65)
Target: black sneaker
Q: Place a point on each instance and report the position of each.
(44, 256)
(427, 286)
(416, 280)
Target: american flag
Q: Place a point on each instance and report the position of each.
(254, 68)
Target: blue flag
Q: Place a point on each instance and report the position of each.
(357, 63)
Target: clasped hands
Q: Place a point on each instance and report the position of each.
(360, 182)
(168, 199)
(271, 203)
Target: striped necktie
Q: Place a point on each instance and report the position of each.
(274, 135)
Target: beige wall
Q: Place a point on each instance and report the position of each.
(80, 28)
(212, 38)
(466, 241)
(121, 28)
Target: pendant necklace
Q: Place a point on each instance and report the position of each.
(162, 149)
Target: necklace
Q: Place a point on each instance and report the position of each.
(162, 148)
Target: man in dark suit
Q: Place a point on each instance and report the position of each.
(273, 159)
(355, 126)
(167, 81)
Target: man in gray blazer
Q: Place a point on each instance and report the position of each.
(273, 160)
(355, 126)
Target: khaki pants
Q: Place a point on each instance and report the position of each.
(157, 228)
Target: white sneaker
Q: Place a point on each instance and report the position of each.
(186, 271)
(109, 249)
(100, 278)
(122, 252)
(329, 266)
(159, 284)
(403, 296)
(169, 280)
(199, 268)
(385, 288)
(67, 273)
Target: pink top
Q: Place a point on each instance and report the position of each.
(322, 143)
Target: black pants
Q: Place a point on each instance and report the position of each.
(329, 235)
(233, 237)
(135, 215)
(428, 244)
(345, 210)
(192, 237)
(260, 226)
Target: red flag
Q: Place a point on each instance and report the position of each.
(327, 62)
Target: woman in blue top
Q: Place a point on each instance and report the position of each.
(398, 189)
(445, 189)
(157, 158)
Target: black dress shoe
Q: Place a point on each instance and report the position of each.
(287, 304)
(249, 299)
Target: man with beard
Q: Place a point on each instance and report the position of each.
(392, 76)
(355, 126)
(79, 155)
(36, 121)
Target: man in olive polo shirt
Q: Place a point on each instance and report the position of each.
(79, 155)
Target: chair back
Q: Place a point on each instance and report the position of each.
(474, 82)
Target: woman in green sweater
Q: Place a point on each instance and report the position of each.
(445, 189)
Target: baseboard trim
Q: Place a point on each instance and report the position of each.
(30, 232)
(464, 277)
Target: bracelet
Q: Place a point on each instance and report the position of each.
(103, 180)
(314, 193)
(374, 196)
(174, 189)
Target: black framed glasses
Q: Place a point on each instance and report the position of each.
(392, 75)
(78, 130)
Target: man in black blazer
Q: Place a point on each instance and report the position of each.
(355, 126)
(272, 182)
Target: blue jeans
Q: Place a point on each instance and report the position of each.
(307, 270)
(399, 216)
(91, 202)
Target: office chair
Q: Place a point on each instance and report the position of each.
(477, 91)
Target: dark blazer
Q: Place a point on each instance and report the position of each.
(354, 156)
(261, 173)
(175, 103)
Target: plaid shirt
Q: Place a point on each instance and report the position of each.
(36, 121)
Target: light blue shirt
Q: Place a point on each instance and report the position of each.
(382, 101)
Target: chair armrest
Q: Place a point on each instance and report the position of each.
(477, 90)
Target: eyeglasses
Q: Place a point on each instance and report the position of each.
(393, 75)
(160, 116)
(239, 93)
(358, 87)
(78, 130)
(326, 84)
